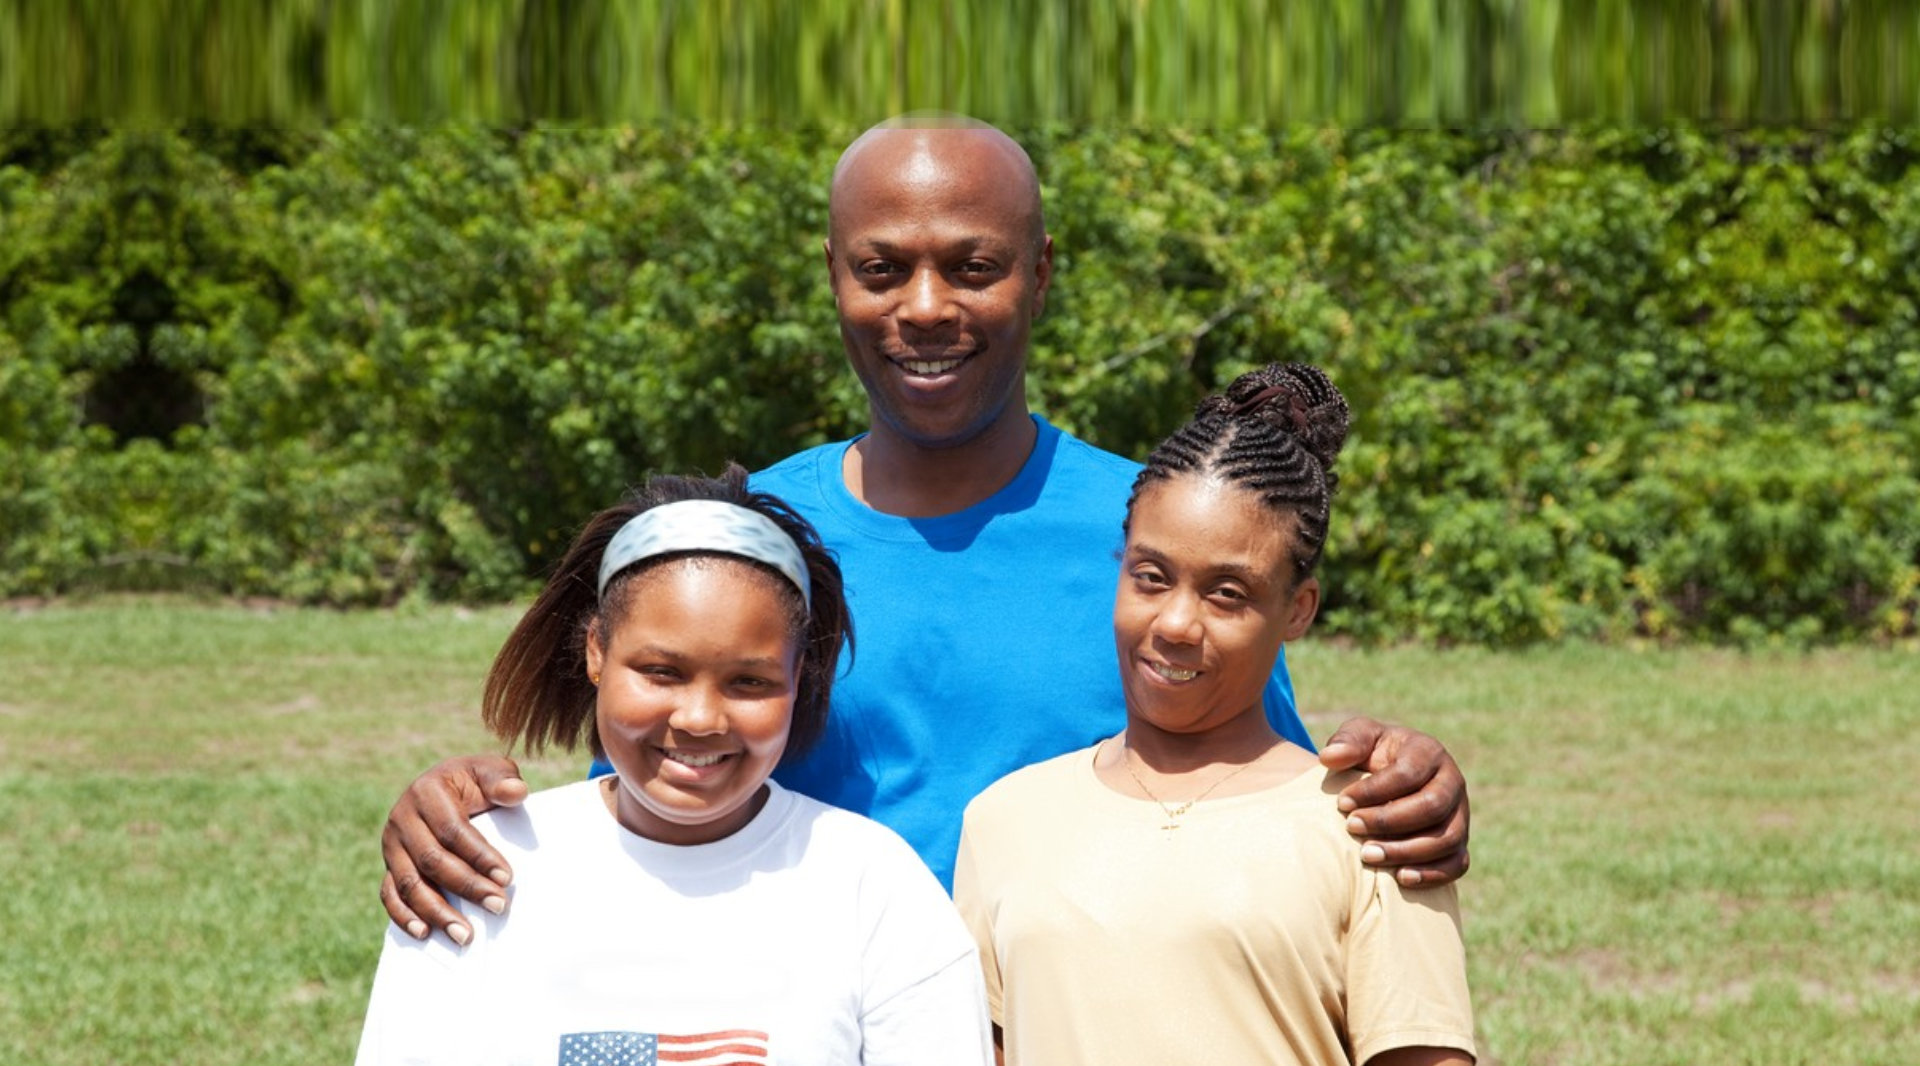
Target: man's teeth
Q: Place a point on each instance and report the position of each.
(1171, 674)
(929, 366)
(686, 759)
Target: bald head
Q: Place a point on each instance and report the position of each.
(928, 151)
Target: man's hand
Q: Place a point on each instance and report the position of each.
(431, 845)
(1412, 813)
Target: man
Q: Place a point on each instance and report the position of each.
(977, 541)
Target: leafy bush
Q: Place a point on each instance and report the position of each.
(1651, 382)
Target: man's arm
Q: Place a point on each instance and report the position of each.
(430, 845)
(1412, 812)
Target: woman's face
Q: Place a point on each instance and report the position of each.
(1206, 599)
(696, 694)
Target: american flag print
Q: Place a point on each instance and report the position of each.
(733, 1047)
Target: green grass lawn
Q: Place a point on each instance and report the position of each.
(1679, 857)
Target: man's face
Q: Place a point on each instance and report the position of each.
(939, 269)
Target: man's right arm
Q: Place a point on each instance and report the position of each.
(431, 846)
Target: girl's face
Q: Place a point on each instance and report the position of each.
(697, 684)
(1207, 597)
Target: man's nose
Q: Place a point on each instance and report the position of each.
(927, 301)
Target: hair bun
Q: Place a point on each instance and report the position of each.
(1294, 398)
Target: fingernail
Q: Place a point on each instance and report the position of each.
(417, 929)
(459, 934)
(1409, 878)
(1346, 804)
(1355, 825)
(501, 876)
(496, 904)
(1372, 853)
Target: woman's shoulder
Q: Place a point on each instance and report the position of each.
(1039, 782)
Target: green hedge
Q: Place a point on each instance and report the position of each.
(1664, 383)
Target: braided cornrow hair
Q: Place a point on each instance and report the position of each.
(1274, 432)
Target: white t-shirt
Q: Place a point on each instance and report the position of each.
(811, 936)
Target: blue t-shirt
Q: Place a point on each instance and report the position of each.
(983, 640)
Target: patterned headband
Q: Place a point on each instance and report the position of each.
(705, 526)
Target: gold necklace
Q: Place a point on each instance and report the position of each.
(1173, 813)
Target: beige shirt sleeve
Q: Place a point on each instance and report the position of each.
(1406, 969)
(978, 915)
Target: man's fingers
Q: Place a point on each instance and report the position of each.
(1403, 798)
(1429, 875)
(410, 899)
(1352, 745)
(1427, 857)
(499, 781)
(459, 860)
(505, 791)
(397, 909)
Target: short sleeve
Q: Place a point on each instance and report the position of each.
(417, 1014)
(921, 1002)
(977, 915)
(1406, 969)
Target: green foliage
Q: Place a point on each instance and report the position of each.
(1662, 383)
(1448, 63)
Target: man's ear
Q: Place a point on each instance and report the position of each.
(1306, 604)
(1043, 275)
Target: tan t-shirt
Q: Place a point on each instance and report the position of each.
(1251, 934)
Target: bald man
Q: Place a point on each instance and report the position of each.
(978, 542)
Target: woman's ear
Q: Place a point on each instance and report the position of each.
(596, 655)
(1306, 604)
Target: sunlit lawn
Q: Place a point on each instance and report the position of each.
(1679, 857)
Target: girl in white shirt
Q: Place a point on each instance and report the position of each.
(685, 908)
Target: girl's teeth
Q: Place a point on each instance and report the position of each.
(1171, 674)
(921, 366)
(692, 760)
